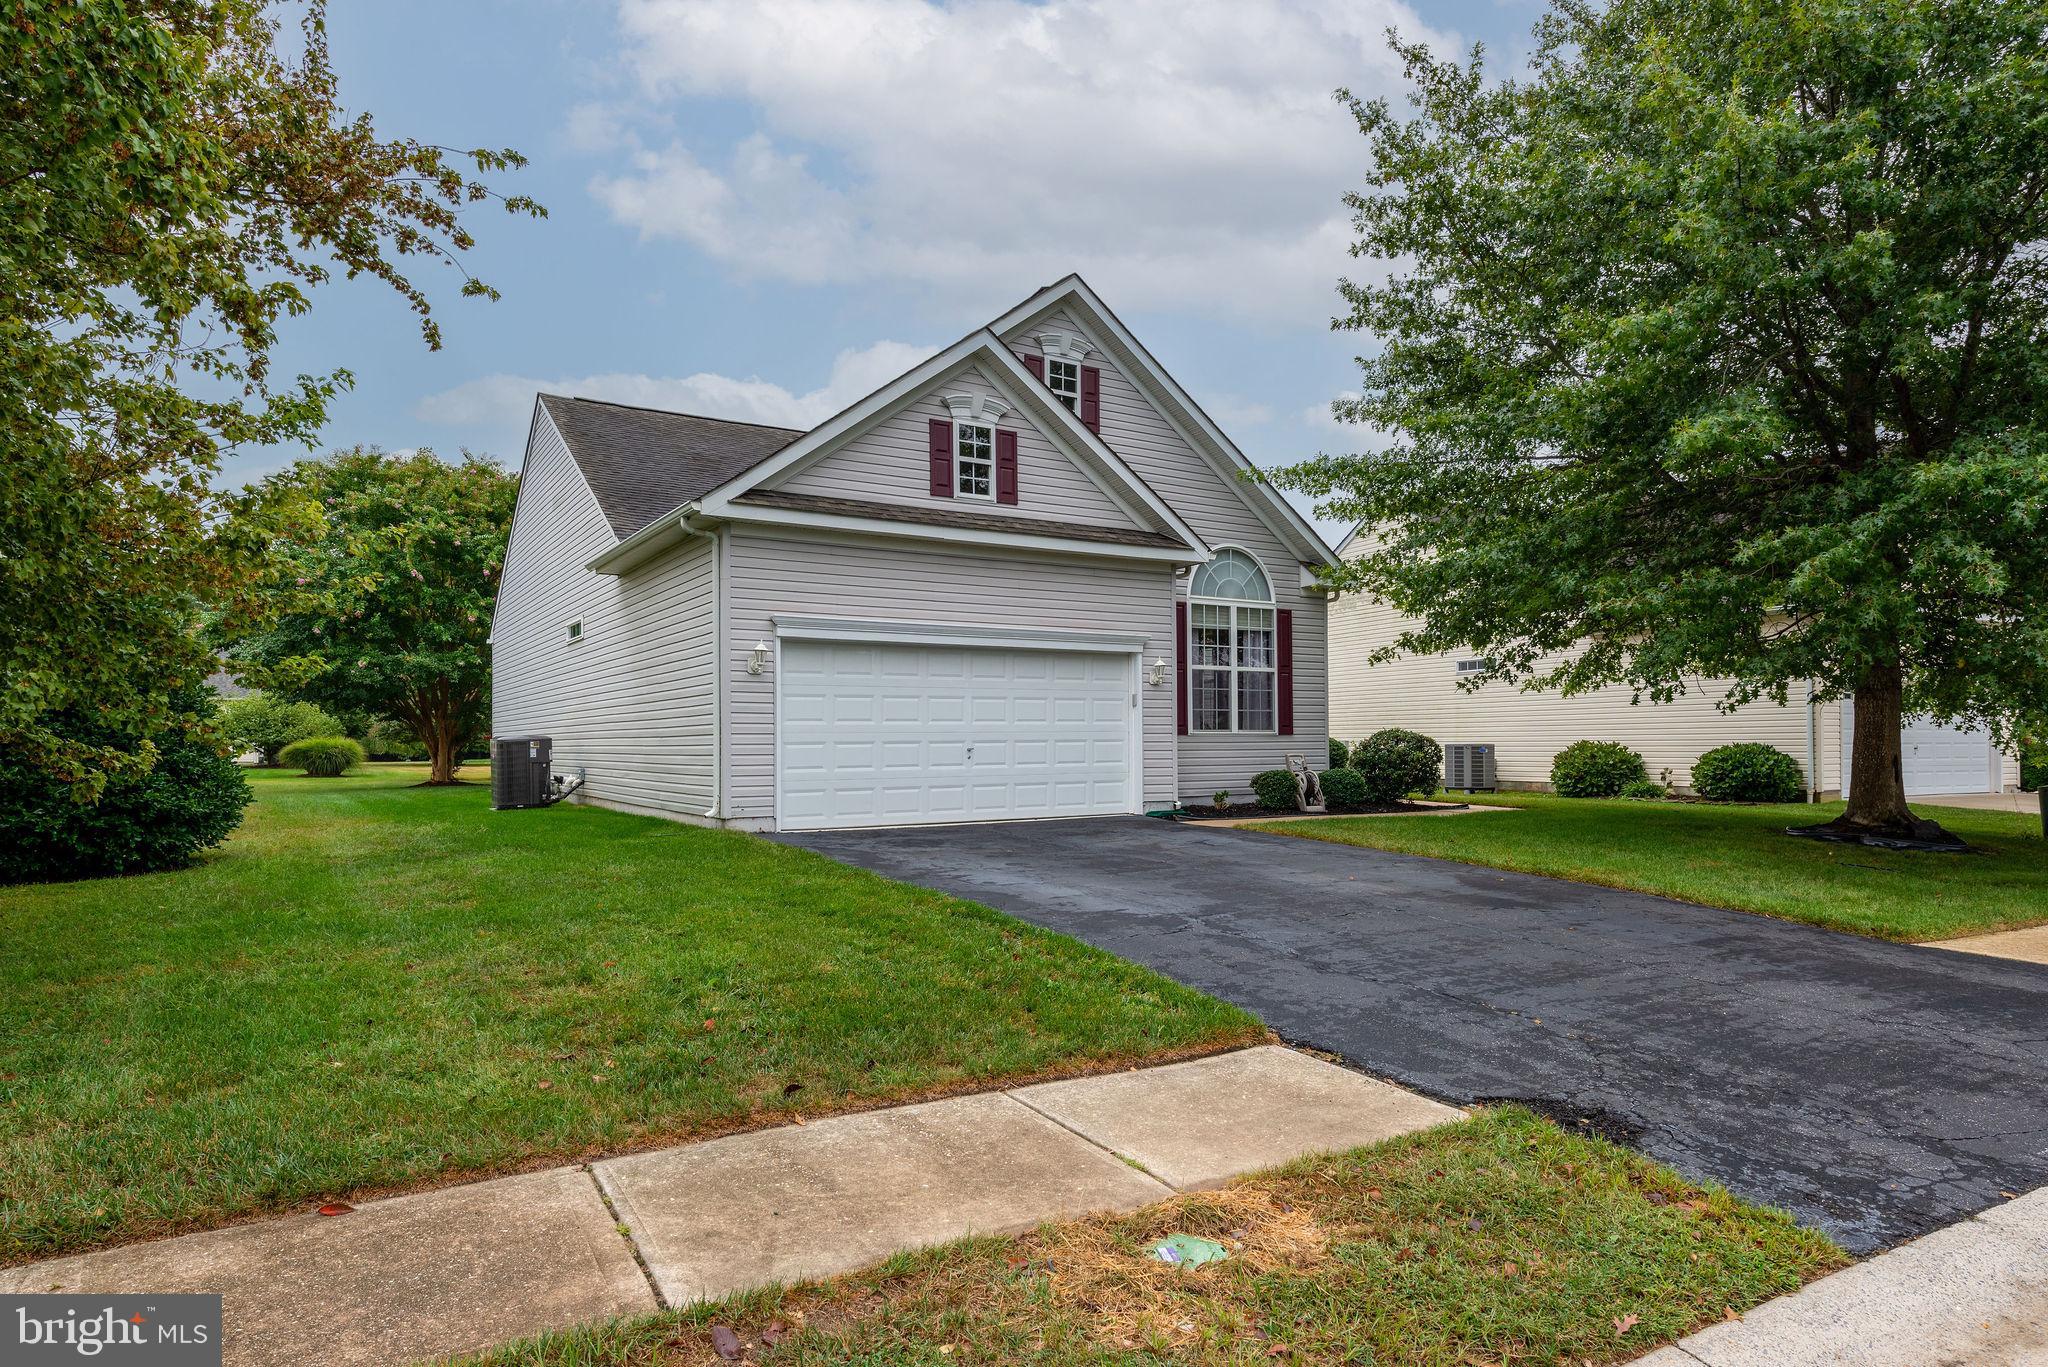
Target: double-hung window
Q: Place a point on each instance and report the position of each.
(1063, 378)
(974, 460)
(1231, 621)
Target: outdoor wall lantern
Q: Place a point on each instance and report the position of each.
(757, 659)
(1157, 674)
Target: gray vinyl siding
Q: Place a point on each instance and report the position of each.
(631, 703)
(1208, 502)
(773, 570)
(890, 463)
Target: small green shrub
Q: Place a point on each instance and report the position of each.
(1340, 753)
(267, 724)
(1748, 772)
(322, 756)
(1343, 789)
(1595, 768)
(1221, 797)
(1276, 788)
(1646, 790)
(1394, 763)
(190, 799)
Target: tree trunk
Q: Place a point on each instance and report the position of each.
(1877, 774)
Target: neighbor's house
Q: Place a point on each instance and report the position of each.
(1024, 579)
(1527, 729)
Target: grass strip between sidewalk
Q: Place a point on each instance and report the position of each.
(1498, 1240)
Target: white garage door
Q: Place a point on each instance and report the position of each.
(1936, 758)
(885, 735)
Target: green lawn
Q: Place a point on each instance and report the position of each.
(1739, 857)
(376, 984)
(1497, 1240)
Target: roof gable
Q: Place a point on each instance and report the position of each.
(1073, 296)
(645, 462)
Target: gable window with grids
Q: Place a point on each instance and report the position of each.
(1232, 623)
(1063, 378)
(974, 460)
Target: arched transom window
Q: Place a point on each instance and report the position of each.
(1230, 617)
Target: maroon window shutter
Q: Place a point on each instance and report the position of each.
(1091, 398)
(1036, 365)
(1180, 665)
(1006, 465)
(1283, 682)
(942, 457)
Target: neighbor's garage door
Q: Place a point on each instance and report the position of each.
(1936, 758)
(886, 735)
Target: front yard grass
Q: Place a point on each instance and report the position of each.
(1739, 857)
(376, 985)
(1497, 1240)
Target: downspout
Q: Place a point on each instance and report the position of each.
(714, 813)
(1813, 783)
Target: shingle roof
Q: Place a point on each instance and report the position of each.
(643, 462)
(956, 517)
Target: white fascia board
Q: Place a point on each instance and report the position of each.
(519, 501)
(670, 529)
(804, 626)
(1265, 502)
(966, 536)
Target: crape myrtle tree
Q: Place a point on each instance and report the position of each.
(384, 606)
(176, 178)
(1714, 346)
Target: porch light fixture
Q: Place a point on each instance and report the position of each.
(757, 659)
(1156, 675)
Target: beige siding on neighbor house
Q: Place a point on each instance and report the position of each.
(632, 702)
(889, 463)
(1420, 692)
(1208, 501)
(772, 570)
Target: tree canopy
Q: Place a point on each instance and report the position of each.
(1713, 346)
(385, 606)
(172, 187)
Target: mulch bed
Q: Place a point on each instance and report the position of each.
(1252, 811)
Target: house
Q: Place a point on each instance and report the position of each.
(1527, 729)
(1026, 578)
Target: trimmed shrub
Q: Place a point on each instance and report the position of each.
(322, 756)
(1748, 772)
(1343, 789)
(1340, 753)
(1394, 763)
(1276, 788)
(267, 724)
(1646, 790)
(189, 801)
(1595, 768)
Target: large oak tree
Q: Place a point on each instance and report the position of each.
(174, 184)
(1717, 346)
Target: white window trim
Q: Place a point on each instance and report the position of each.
(572, 631)
(1478, 665)
(960, 464)
(1270, 605)
(1059, 396)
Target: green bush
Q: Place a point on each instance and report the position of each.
(1276, 788)
(1748, 772)
(1394, 763)
(322, 756)
(1340, 753)
(1646, 790)
(188, 801)
(267, 724)
(1343, 789)
(1595, 768)
(384, 738)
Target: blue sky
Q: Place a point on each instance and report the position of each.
(762, 209)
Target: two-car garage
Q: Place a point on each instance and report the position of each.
(880, 733)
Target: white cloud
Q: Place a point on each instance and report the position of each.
(1184, 154)
(502, 402)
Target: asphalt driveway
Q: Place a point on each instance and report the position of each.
(1874, 1090)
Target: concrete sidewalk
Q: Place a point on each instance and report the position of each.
(1972, 1295)
(465, 1268)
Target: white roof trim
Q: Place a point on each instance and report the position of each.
(1278, 514)
(971, 536)
(981, 345)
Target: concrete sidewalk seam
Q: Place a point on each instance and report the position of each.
(1090, 1139)
(625, 1230)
